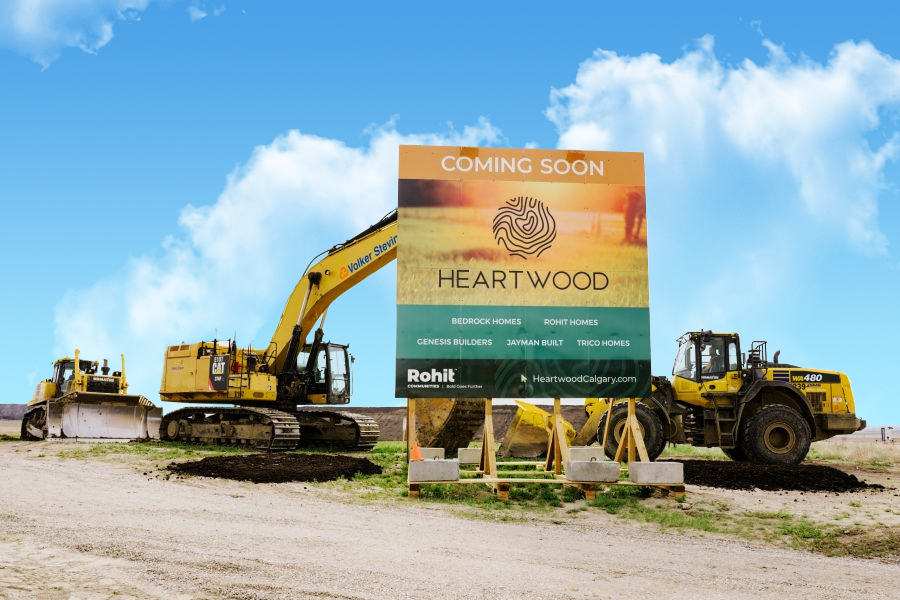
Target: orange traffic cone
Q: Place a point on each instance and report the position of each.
(414, 452)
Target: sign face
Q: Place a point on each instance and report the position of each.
(218, 372)
(522, 274)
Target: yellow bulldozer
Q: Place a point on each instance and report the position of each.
(78, 403)
(753, 409)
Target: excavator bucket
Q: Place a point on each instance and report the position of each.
(90, 416)
(588, 434)
(449, 423)
(528, 434)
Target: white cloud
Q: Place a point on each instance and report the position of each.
(238, 258)
(762, 180)
(805, 121)
(199, 10)
(41, 29)
(195, 13)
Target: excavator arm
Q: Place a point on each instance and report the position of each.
(343, 266)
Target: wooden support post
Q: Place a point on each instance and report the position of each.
(558, 447)
(410, 425)
(488, 465)
(590, 491)
(637, 437)
(502, 491)
(675, 490)
(609, 410)
(632, 439)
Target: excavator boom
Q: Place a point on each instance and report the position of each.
(344, 266)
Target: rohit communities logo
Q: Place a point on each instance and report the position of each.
(432, 376)
(524, 227)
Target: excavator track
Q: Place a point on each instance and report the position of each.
(337, 428)
(263, 428)
(270, 429)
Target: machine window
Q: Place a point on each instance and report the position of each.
(340, 380)
(713, 356)
(684, 362)
(733, 363)
(67, 372)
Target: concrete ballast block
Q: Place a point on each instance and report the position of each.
(656, 472)
(592, 470)
(422, 471)
(586, 453)
(469, 456)
(432, 453)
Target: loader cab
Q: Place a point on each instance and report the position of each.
(706, 362)
(329, 372)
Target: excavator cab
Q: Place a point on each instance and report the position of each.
(329, 373)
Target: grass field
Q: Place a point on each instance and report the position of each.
(445, 239)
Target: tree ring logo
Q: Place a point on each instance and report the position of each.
(524, 227)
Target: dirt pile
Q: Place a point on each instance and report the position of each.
(748, 476)
(277, 468)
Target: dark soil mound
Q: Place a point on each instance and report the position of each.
(747, 476)
(278, 468)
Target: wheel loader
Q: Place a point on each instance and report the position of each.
(753, 409)
(78, 403)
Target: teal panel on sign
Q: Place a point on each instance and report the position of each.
(523, 332)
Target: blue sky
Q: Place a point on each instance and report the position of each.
(167, 169)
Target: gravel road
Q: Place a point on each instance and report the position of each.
(96, 528)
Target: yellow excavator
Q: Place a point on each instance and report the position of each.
(753, 409)
(78, 403)
(277, 394)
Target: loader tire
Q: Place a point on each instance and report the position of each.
(736, 454)
(776, 435)
(651, 428)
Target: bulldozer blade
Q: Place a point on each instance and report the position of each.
(87, 421)
(528, 435)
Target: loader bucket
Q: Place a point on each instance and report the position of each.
(449, 423)
(528, 434)
(89, 416)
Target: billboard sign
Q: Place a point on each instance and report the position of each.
(521, 274)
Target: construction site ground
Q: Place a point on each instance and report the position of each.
(84, 521)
